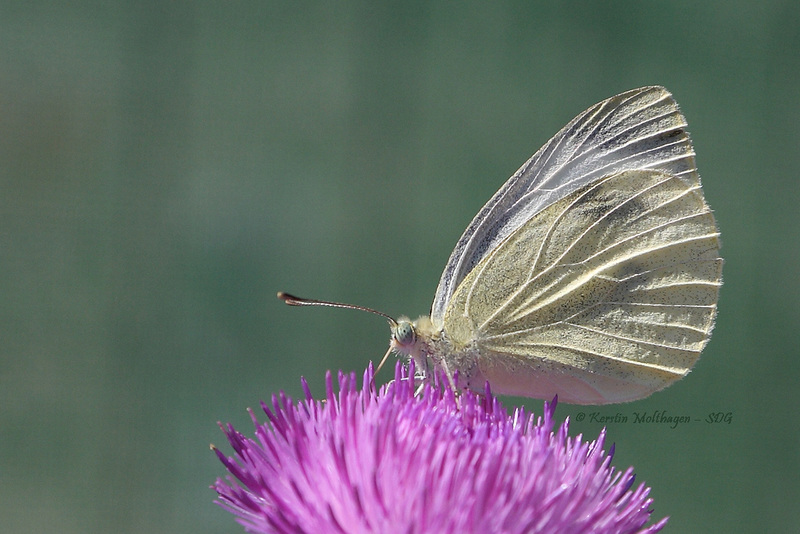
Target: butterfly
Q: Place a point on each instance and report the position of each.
(592, 274)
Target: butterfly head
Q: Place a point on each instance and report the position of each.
(413, 338)
(404, 335)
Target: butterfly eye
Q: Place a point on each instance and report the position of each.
(404, 333)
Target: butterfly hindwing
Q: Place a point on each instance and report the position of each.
(620, 278)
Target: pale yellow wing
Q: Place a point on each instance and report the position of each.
(604, 296)
(638, 129)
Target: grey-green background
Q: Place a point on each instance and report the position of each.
(166, 167)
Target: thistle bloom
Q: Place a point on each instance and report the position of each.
(392, 461)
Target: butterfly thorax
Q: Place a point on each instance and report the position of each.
(432, 350)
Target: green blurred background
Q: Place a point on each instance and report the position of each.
(167, 167)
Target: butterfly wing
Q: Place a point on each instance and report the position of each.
(606, 295)
(638, 129)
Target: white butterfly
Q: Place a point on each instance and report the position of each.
(593, 273)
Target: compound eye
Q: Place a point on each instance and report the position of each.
(404, 333)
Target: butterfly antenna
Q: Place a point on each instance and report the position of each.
(291, 300)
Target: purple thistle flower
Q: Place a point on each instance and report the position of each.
(392, 461)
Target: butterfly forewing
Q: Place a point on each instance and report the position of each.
(638, 129)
